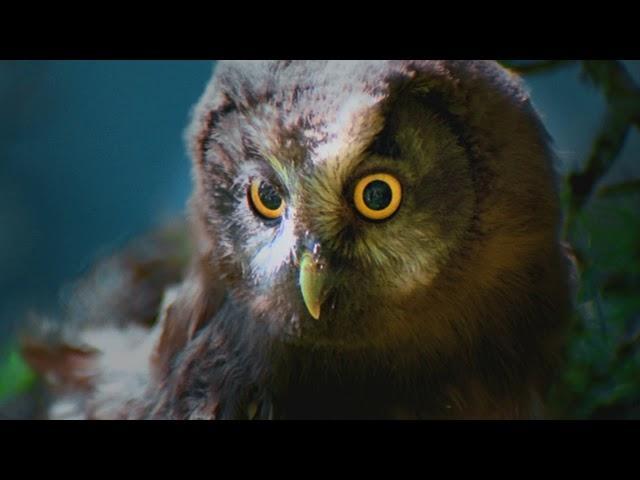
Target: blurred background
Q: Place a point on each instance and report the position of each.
(92, 154)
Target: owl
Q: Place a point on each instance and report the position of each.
(366, 239)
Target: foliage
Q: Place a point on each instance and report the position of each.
(15, 375)
(602, 374)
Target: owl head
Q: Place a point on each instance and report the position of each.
(355, 203)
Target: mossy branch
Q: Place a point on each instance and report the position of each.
(542, 66)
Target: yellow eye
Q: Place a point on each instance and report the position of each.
(377, 196)
(265, 199)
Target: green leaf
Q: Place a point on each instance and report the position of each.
(15, 375)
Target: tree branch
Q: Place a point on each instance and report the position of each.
(542, 66)
(622, 188)
(604, 151)
(623, 99)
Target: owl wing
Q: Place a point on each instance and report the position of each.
(101, 353)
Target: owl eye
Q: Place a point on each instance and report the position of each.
(265, 199)
(377, 196)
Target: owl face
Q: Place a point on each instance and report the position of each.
(333, 194)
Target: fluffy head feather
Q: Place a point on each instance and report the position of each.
(479, 208)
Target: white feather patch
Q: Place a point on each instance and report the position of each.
(277, 253)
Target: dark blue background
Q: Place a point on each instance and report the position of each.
(92, 153)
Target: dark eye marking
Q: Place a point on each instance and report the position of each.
(436, 103)
(384, 143)
(206, 138)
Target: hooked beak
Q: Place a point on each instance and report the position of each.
(313, 276)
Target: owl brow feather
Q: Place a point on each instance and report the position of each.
(278, 167)
(205, 138)
(251, 149)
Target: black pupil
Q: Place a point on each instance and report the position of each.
(377, 195)
(269, 196)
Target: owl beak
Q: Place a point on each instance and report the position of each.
(313, 277)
